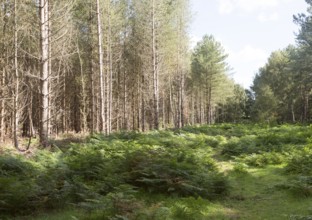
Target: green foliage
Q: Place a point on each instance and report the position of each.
(273, 81)
(234, 109)
(301, 162)
(236, 146)
(126, 176)
(16, 177)
(189, 209)
(27, 184)
(299, 166)
(175, 173)
(154, 212)
(263, 159)
(240, 168)
(301, 185)
(265, 139)
(300, 217)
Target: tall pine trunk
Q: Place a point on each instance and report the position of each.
(16, 83)
(155, 70)
(110, 72)
(100, 50)
(44, 70)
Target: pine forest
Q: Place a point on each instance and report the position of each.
(108, 110)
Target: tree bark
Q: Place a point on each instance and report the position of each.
(100, 49)
(2, 112)
(83, 111)
(110, 72)
(44, 71)
(155, 69)
(16, 82)
(91, 75)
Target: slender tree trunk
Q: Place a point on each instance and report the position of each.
(142, 104)
(100, 48)
(207, 100)
(138, 100)
(125, 120)
(155, 69)
(91, 75)
(118, 105)
(44, 72)
(16, 83)
(64, 115)
(182, 100)
(170, 110)
(92, 96)
(209, 113)
(2, 112)
(3, 76)
(192, 108)
(179, 113)
(293, 113)
(30, 116)
(83, 92)
(180, 75)
(200, 108)
(163, 110)
(110, 69)
(306, 106)
(133, 111)
(49, 71)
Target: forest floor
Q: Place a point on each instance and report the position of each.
(264, 171)
(252, 196)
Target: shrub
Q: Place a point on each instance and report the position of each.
(301, 162)
(95, 167)
(300, 165)
(189, 209)
(237, 146)
(263, 159)
(18, 188)
(160, 171)
(299, 185)
(240, 168)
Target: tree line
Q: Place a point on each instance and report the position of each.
(282, 89)
(107, 65)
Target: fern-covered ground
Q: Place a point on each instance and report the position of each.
(209, 172)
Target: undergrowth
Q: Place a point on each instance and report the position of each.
(106, 176)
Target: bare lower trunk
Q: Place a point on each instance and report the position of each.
(3, 65)
(125, 120)
(100, 48)
(182, 100)
(170, 106)
(92, 118)
(306, 106)
(64, 114)
(2, 112)
(209, 113)
(293, 113)
(49, 73)
(16, 83)
(200, 108)
(192, 109)
(163, 110)
(44, 71)
(142, 104)
(110, 75)
(83, 111)
(138, 105)
(30, 117)
(155, 70)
